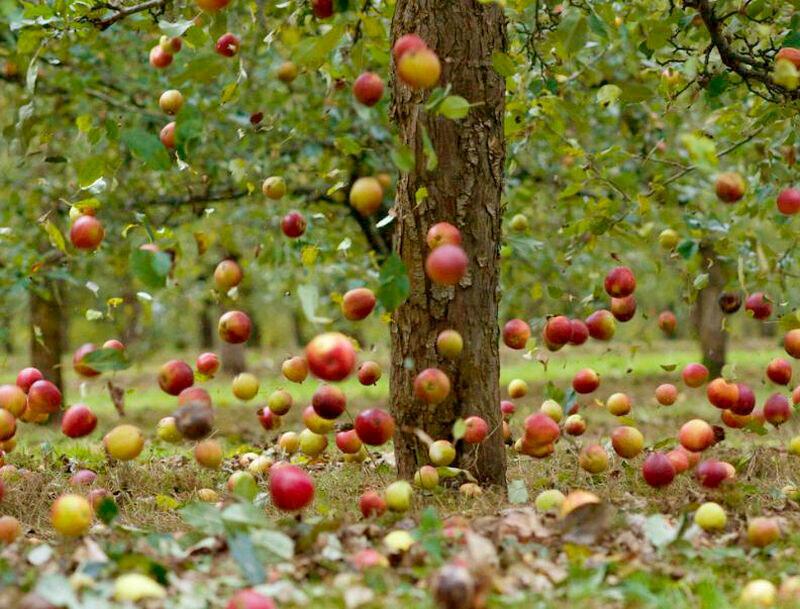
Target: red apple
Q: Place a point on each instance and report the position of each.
(331, 356)
(78, 421)
(449, 344)
(405, 43)
(558, 330)
(575, 425)
(516, 333)
(779, 371)
(657, 470)
(290, 487)
(295, 369)
(619, 404)
(541, 429)
(293, 224)
(694, 375)
(758, 305)
(777, 409)
(212, 6)
(620, 282)
(789, 54)
(13, 399)
(27, 377)
(432, 386)
(44, 397)
(86, 233)
(368, 88)
(442, 233)
(175, 376)
(369, 373)
(227, 45)
(446, 264)
(623, 309)
(730, 187)
(722, 394)
(476, 430)
(167, 135)
(601, 325)
(580, 332)
(374, 426)
(194, 394)
(593, 458)
(371, 504)
(666, 394)
(696, 435)
(8, 425)
(585, 381)
(268, 419)
(357, 304)
(419, 68)
(207, 364)
(711, 473)
(507, 408)
(791, 343)
(348, 442)
(159, 58)
(679, 460)
(234, 327)
(667, 322)
(789, 201)
(249, 599)
(322, 8)
(627, 441)
(746, 402)
(113, 343)
(329, 402)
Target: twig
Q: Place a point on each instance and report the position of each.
(122, 13)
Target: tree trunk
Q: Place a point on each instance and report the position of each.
(206, 324)
(708, 316)
(48, 331)
(464, 190)
(232, 356)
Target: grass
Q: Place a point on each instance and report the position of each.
(620, 568)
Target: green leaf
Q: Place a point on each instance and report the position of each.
(503, 64)
(454, 107)
(90, 170)
(517, 492)
(243, 553)
(394, 285)
(151, 268)
(178, 28)
(273, 546)
(431, 158)
(245, 515)
(687, 248)
(314, 50)
(702, 149)
(106, 360)
(55, 236)
(146, 147)
(403, 158)
(203, 517)
(309, 301)
(459, 429)
(107, 510)
(188, 128)
(573, 32)
(700, 281)
(608, 94)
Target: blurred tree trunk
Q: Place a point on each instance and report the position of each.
(48, 326)
(233, 358)
(301, 337)
(8, 339)
(708, 316)
(464, 189)
(206, 324)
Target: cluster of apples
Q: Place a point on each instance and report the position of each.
(730, 187)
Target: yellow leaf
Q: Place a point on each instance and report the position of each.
(308, 256)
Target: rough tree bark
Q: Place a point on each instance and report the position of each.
(48, 327)
(708, 317)
(465, 190)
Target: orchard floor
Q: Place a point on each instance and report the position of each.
(638, 549)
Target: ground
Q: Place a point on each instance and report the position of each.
(637, 549)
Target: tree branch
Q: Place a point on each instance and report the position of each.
(126, 11)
